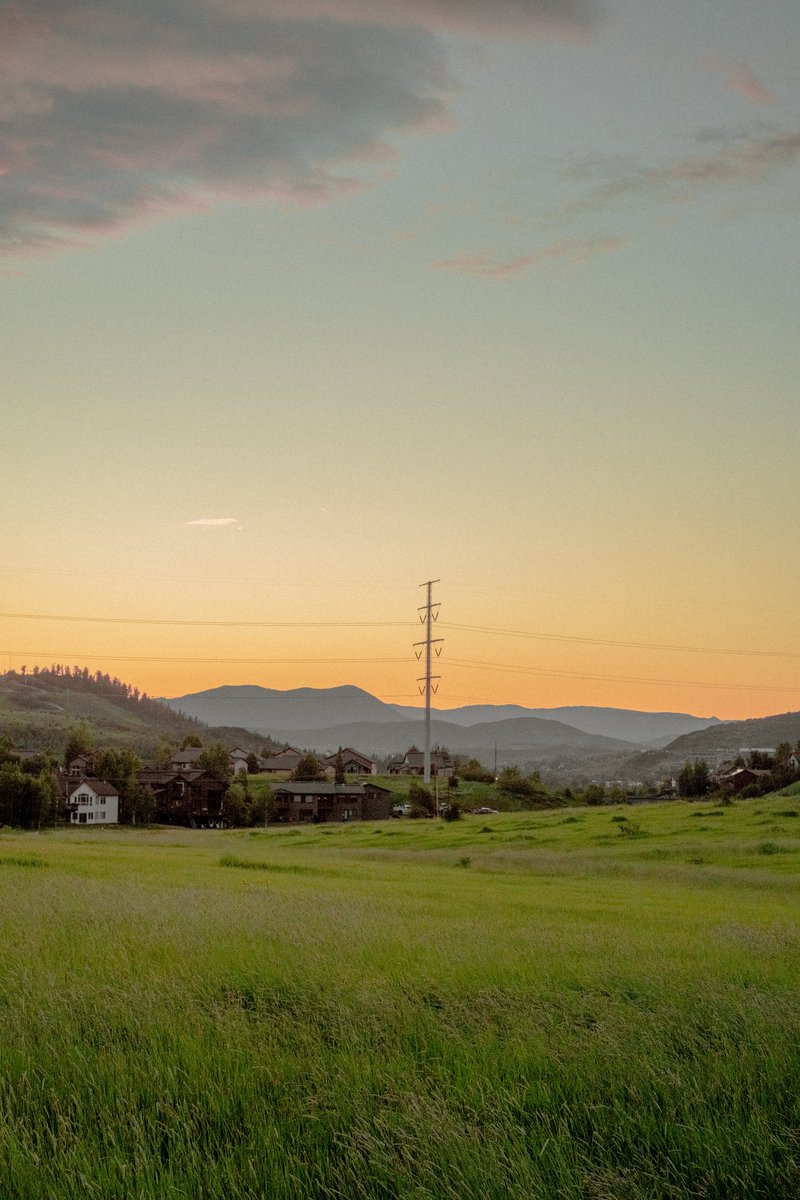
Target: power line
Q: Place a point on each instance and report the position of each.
(72, 656)
(486, 629)
(587, 641)
(473, 664)
(15, 616)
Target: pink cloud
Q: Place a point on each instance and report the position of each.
(747, 160)
(112, 115)
(742, 80)
(578, 250)
(529, 19)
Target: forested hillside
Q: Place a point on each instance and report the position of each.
(38, 709)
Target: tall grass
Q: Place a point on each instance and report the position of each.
(573, 1016)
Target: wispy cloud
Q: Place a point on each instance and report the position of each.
(578, 250)
(740, 78)
(743, 161)
(210, 522)
(113, 114)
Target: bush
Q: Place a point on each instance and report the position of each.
(453, 811)
(420, 797)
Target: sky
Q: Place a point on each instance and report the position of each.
(306, 302)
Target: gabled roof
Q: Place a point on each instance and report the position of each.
(285, 761)
(190, 754)
(416, 758)
(99, 786)
(348, 751)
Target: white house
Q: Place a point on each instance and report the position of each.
(92, 802)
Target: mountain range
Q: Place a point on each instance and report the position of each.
(290, 714)
(561, 741)
(566, 744)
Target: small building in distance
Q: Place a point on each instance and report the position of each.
(741, 778)
(316, 802)
(353, 762)
(287, 760)
(81, 766)
(413, 763)
(239, 758)
(92, 802)
(189, 759)
(186, 759)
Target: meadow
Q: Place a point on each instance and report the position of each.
(598, 1004)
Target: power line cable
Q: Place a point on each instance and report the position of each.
(16, 616)
(742, 687)
(587, 641)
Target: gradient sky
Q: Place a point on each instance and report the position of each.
(306, 301)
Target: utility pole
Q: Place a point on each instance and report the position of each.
(428, 613)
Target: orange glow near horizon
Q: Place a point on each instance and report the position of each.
(650, 662)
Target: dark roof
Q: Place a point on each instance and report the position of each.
(285, 761)
(331, 758)
(416, 758)
(98, 786)
(148, 775)
(321, 789)
(328, 789)
(190, 754)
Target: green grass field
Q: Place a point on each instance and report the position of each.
(590, 1004)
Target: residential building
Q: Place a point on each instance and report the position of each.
(413, 763)
(353, 762)
(312, 802)
(92, 802)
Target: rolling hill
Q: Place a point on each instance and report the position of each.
(37, 712)
(265, 709)
(645, 728)
(715, 745)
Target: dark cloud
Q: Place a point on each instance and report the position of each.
(112, 114)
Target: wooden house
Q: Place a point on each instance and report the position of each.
(193, 798)
(353, 762)
(313, 802)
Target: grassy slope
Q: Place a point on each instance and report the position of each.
(526, 1005)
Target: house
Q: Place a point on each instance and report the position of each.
(189, 759)
(92, 802)
(312, 802)
(413, 763)
(287, 760)
(193, 798)
(81, 766)
(186, 759)
(239, 758)
(353, 762)
(742, 777)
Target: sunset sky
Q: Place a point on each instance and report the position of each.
(305, 302)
